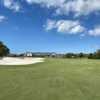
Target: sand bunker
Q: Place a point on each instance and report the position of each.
(19, 61)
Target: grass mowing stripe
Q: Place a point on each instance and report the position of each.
(54, 79)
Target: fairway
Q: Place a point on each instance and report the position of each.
(54, 79)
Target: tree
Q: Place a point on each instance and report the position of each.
(97, 54)
(70, 55)
(81, 55)
(91, 56)
(4, 50)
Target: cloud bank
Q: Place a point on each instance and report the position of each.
(62, 7)
(12, 5)
(65, 26)
(71, 27)
(79, 7)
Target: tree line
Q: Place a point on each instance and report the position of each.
(95, 55)
(5, 51)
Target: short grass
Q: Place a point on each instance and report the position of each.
(55, 79)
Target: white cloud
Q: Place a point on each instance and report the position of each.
(47, 3)
(79, 7)
(78, 28)
(50, 25)
(95, 31)
(11, 4)
(65, 26)
(71, 27)
(2, 18)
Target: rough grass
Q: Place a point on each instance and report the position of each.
(55, 79)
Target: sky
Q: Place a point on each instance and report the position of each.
(50, 25)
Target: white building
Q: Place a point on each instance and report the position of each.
(28, 54)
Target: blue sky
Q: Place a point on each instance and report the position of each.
(50, 25)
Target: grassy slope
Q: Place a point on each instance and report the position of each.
(56, 79)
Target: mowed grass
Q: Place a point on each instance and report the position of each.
(54, 79)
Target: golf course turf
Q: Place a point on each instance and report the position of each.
(54, 79)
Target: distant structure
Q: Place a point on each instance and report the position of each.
(28, 54)
(44, 54)
(37, 54)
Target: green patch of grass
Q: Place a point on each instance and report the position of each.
(54, 79)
